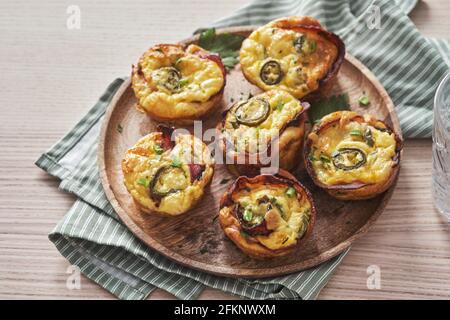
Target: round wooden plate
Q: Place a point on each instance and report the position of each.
(195, 239)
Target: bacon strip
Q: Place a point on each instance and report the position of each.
(196, 171)
(213, 57)
(166, 137)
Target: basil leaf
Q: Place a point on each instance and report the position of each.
(324, 106)
(227, 45)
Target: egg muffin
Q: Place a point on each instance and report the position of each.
(267, 215)
(250, 129)
(352, 156)
(295, 54)
(178, 84)
(166, 174)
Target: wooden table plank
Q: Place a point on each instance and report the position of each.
(52, 75)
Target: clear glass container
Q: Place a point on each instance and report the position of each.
(441, 148)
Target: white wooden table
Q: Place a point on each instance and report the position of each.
(50, 76)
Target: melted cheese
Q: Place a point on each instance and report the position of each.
(379, 157)
(286, 226)
(283, 108)
(142, 162)
(201, 79)
(301, 71)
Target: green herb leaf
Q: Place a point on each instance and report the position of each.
(356, 133)
(324, 106)
(248, 214)
(176, 162)
(143, 182)
(230, 62)
(227, 45)
(279, 105)
(183, 82)
(157, 148)
(324, 159)
(364, 100)
(119, 128)
(290, 192)
(311, 157)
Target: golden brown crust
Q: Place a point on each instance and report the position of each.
(167, 54)
(356, 190)
(290, 144)
(232, 227)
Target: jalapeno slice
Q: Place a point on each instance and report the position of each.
(349, 158)
(161, 185)
(252, 112)
(169, 78)
(271, 73)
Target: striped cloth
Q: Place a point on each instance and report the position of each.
(92, 237)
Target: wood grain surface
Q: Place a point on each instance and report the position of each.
(51, 76)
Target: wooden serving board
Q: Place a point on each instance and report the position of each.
(195, 239)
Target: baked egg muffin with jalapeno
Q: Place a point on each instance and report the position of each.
(352, 156)
(250, 128)
(267, 215)
(294, 54)
(177, 83)
(167, 176)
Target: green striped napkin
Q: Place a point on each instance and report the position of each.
(92, 237)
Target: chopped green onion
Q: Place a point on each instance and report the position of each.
(143, 182)
(157, 148)
(364, 100)
(280, 105)
(311, 157)
(176, 162)
(290, 192)
(248, 214)
(183, 82)
(356, 132)
(324, 158)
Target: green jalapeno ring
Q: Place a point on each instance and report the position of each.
(271, 73)
(170, 78)
(159, 173)
(252, 112)
(339, 158)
